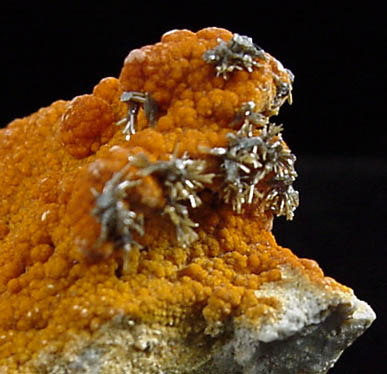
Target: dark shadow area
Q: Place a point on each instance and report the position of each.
(341, 224)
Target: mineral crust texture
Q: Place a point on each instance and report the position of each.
(135, 225)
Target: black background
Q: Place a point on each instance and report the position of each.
(335, 126)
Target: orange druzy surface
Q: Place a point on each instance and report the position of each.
(53, 284)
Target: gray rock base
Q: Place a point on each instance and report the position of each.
(313, 350)
(314, 323)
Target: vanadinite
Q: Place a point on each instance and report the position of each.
(151, 200)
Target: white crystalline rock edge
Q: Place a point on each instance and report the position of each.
(302, 305)
(307, 333)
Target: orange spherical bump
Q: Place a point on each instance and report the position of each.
(85, 125)
(14, 285)
(4, 230)
(41, 253)
(57, 268)
(151, 141)
(195, 271)
(213, 33)
(110, 90)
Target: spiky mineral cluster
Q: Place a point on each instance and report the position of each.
(249, 160)
(256, 167)
(134, 100)
(117, 221)
(238, 53)
(183, 178)
(166, 219)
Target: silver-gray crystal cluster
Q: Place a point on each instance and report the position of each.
(117, 220)
(247, 114)
(237, 54)
(248, 160)
(183, 178)
(283, 90)
(134, 100)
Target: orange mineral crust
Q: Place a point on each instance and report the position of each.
(198, 254)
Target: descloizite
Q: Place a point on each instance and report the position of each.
(135, 225)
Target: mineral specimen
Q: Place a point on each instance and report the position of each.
(146, 247)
